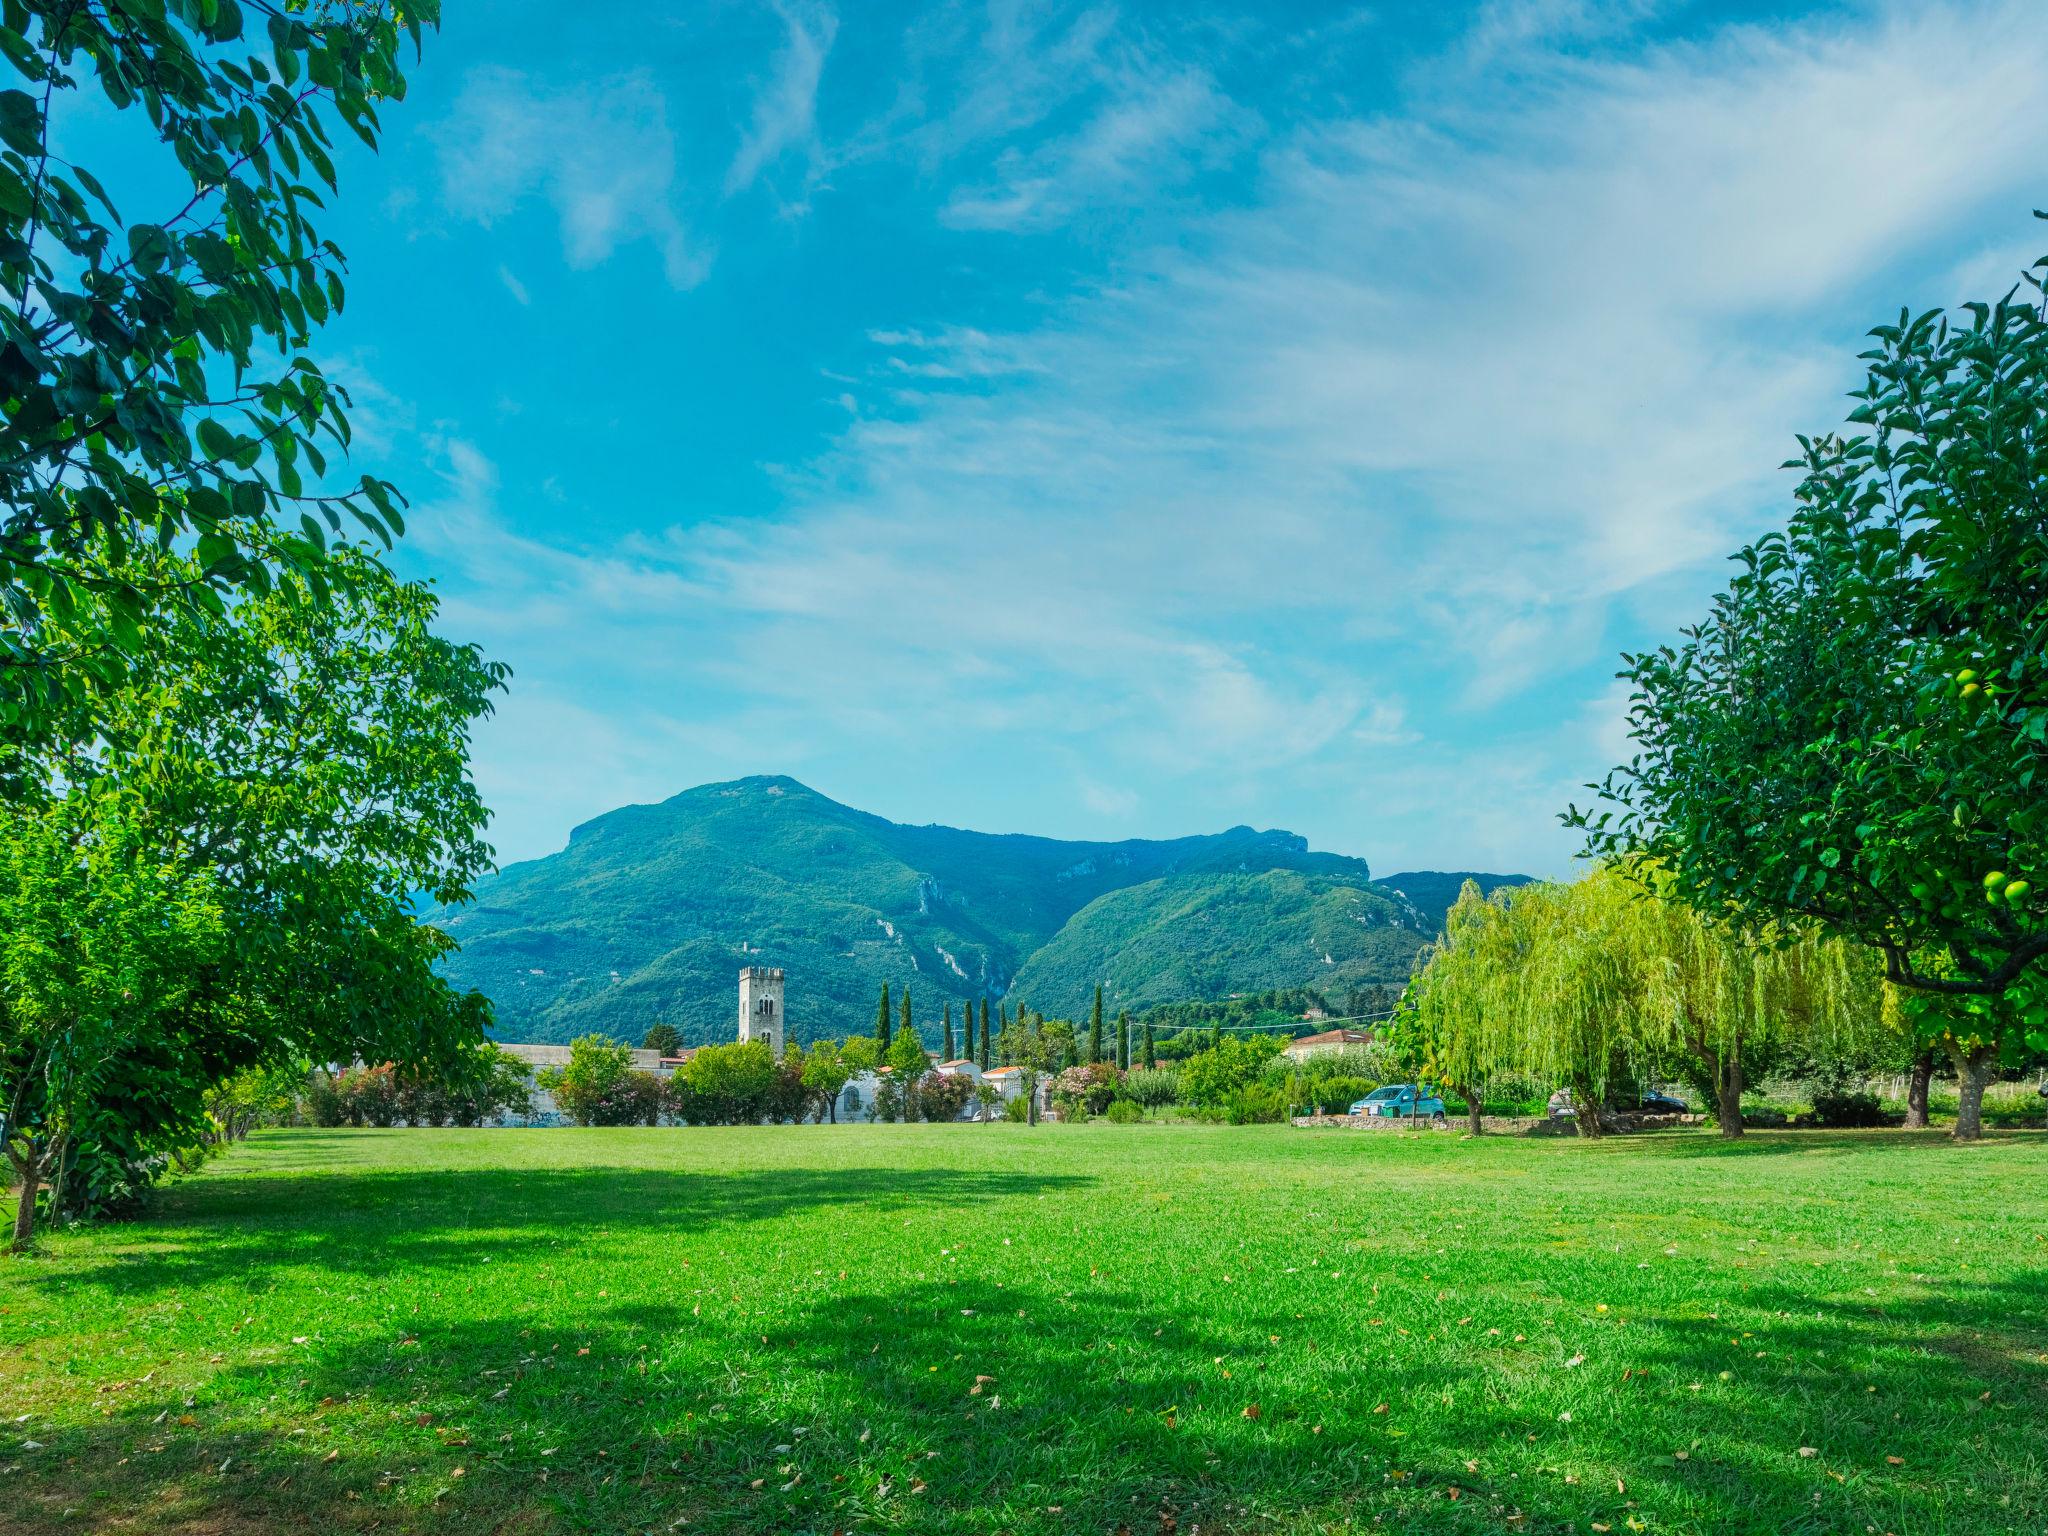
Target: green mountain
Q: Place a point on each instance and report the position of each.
(651, 910)
(1209, 935)
(1433, 891)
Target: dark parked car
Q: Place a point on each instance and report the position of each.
(1664, 1104)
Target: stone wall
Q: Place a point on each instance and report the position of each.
(1500, 1125)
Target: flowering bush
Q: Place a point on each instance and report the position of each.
(1086, 1090)
(941, 1095)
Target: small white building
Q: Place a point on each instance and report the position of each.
(1329, 1042)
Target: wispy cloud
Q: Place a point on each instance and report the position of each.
(785, 103)
(1328, 486)
(1150, 127)
(602, 155)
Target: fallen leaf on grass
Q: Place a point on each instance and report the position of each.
(1807, 1450)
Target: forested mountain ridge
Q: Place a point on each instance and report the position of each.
(650, 911)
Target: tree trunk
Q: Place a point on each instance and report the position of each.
(1586, 1110)
(30, 1170)
(1916, 1091)
(1728, 1097)
(1973, 1071)
(1474, 1110)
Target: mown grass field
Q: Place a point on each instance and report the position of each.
(1085, 1329)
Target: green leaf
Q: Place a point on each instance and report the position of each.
(149, 248)
(21, 123)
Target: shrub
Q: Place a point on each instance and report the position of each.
(1842, 1108)
(1256, 1104)
(324, 1103)
(1017, 1110)
(737, 1084)
(1150, 1087)
(941, 1096)
(372, 1094)
(1087, 1090)
(1213, 1076)
(1124, 1112)
(1331, 1095)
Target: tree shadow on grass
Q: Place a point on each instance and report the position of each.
(1890, 1142)
(371, 1222)
(953, 1407)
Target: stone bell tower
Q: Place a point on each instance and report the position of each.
(761, 1007)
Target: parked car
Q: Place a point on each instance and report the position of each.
(1648, 1103)
(1401, 1101)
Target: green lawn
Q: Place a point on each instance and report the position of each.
(955, 1328)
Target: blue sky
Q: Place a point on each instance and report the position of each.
(1105, 420)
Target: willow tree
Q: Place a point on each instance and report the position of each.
(1587, 983)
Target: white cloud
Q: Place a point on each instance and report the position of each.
(514, 287)
(1149, 130)
(602, 155)
(1315, 499)
(785, 105)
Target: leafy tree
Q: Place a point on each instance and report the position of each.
(904, 1026)
(310, 758)
(1123, 1040)
(1856, 734)
(138, 408)
(1600, 981)
(861, 1053)
(255, 1096)
(824, 1072)
(485, 1083)
(1977, 1033)
(736, 1084)
(988, 1099)
(103, 942)
(940, 1096)
(946, 1014)
(1210, 1078)
(1151, 1087)
(596, 1086)
(1033, 1053)
(883, 1022)
(906, 1053)
(663, 1039)
(1151, 1053)
(984, 1055)
(1094, 1052)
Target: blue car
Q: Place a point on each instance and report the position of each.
(1401, 1101)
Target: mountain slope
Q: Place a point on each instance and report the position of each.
(650, 911)
(1211, 935)
(1433, 891)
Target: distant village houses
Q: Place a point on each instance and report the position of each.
(762, 1017)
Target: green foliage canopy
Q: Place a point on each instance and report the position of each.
(1857, 734)
(136, 407)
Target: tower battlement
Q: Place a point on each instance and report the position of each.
(761, 1015)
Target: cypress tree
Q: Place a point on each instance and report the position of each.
(947, 1039)
(882, 1019)
(1123, 1041)
(1151, 1055)
(1095, 1029)
(984, 1034)
(904, 1022)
